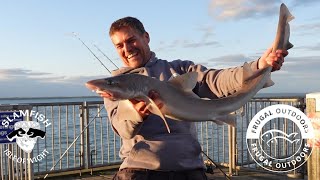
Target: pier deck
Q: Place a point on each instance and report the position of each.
(243, 175)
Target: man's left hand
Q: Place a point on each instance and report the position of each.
(274, 59)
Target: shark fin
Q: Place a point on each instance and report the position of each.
(229, 119)
(285, 10)
(125, 107)
(247, 72)
(185, 81)
(154, 109)
(269, 82)
(249, 75)
(220, 123)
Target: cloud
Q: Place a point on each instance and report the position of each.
(18, 72)
(200, 44)
(242, 9)
(315, 47)
(304, 2)
(26, 83)
(308, 29)
(206, 32)
(227, 61)
(186, 44)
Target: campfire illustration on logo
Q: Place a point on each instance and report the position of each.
(26, 134)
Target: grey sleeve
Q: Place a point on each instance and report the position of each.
(125, 126)
(216, 83)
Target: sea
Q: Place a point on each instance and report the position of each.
(26, 100)
(104, 144)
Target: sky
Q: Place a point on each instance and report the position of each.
(40, 56)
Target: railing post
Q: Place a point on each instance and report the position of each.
(232, 149)
(87, 135)
(313, 112)
(30, 156)
(82, 122)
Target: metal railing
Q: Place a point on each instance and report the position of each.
(221, 143)
(99, 146)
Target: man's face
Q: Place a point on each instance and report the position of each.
(132, 47)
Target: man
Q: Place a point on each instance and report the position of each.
(148, 150)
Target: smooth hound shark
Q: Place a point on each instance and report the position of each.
(179, 101)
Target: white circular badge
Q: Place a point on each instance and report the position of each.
(276, 147)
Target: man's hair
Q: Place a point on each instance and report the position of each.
(130, 22)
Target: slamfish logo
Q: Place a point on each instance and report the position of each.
(26, 134)
(268, 138)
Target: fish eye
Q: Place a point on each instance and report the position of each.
(110, 82)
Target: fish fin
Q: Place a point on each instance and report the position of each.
(240, 111)
(249, 76)
(217, 121)
(207, 99)
(229, 119)
(289, 45)
(125, 107)
(185, 81)
(220, 123)
(174, 118)
(154, 109)
(268, 83)
(193, 95)
(285, 10)
(247, 72)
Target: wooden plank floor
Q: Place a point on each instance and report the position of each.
(243, 175)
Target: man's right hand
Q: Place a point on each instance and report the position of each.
(141, 106)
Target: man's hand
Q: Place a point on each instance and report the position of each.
(141, 106)
(274, 59)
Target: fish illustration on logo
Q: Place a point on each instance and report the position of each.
(273, 135)
(26, 134)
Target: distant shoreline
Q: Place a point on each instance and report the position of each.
(68, 97)
(49, 97)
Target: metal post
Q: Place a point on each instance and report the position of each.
(87, 135)
(230, 149)
(234, 149)
(10, 163)
(313, 112)
(81, 153)
(30, 156)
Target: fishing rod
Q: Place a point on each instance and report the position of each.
(73, 142)
(75, 35)
(225, 175)
(93, 117)
(105, 56)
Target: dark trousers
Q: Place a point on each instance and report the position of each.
(143, 174)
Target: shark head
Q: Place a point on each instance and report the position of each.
(120, 87)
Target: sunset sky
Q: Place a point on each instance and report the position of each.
(40, 57)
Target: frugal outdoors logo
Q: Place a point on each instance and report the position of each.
(267, 137)
(26, 134)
